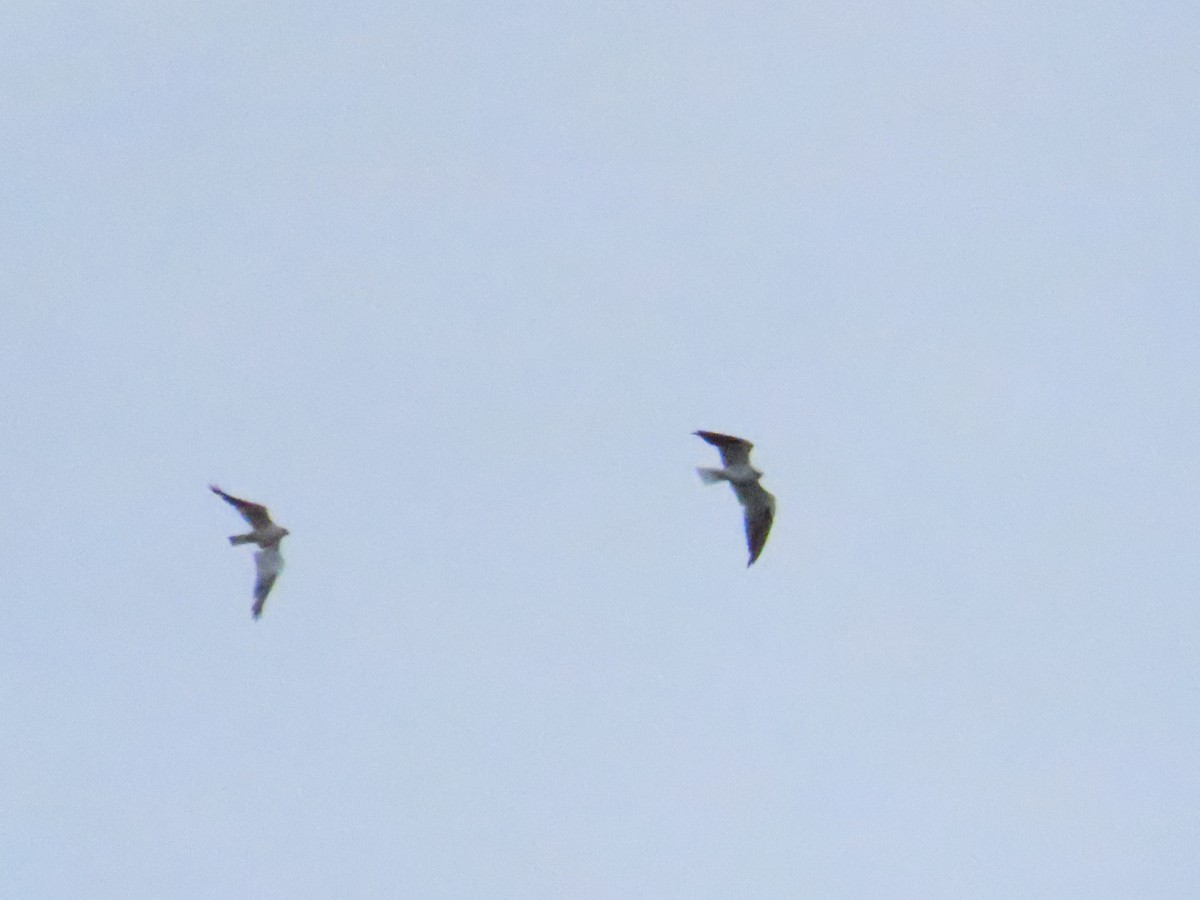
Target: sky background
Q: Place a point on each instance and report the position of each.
(448, 286)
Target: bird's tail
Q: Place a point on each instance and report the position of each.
(711, 476)
(236, 539)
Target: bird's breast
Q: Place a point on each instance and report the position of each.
(742, 474)
(268, 537)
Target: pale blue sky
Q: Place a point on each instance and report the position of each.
(448, 287)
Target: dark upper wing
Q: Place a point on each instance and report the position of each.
(759, 506)
(254, 513)
(735, 451)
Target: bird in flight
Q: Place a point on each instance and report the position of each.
(758, 503)
(268, 562)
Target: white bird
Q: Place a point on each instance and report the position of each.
(759, 504)
(268, 562)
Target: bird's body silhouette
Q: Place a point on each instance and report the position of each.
(757, 502)
(268, 562)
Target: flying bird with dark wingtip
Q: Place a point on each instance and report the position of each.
(268, 562)
(758, 503)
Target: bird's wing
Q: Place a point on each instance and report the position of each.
(759, 506)
(268, 563)
(254, 513)
(735, 451)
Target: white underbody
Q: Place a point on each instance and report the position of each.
(740, 474)
(264, 537)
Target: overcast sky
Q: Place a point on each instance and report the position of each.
(447, 286)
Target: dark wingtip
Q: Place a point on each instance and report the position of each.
(720, 439)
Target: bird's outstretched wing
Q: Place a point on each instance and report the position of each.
(759, 504)
(735, 451)
(268, 564)
(254, 513)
